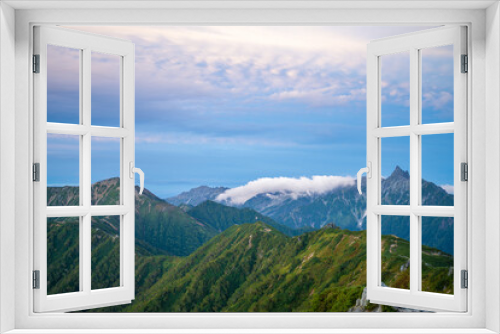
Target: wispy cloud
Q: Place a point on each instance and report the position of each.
(194, 139)
(328, 96)
(192, 62)
(293, 187)
(437, 99)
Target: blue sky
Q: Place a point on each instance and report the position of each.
(222, 106)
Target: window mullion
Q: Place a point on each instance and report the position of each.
(414, 171)
(86, 183)
(81, 184)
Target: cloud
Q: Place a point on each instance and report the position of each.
(196, 139)
(63, 146)
(438, 100)
(328, 96)
(294, 187)
(185, 75)
(98, 139)
(186, 63)
(450, 189)
(316, 66)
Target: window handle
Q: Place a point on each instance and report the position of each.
(368, 171)
(139, 171)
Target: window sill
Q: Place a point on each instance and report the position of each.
(251, 331)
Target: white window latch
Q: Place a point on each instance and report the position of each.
(139, 171)
(368, 171)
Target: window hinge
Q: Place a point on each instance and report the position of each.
(465, 279)
(465, 64)
(36, 279)
(464, 171)
(36, 172)
(36, 63)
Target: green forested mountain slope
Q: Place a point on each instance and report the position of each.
(166, 227)
(221, 217)
(247, 267)
(255, 268)
(160, 228)
(63, 256)
(251, 268)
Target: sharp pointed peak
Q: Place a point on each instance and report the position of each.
(399, 172)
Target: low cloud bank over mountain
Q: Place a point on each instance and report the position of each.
(293, 187)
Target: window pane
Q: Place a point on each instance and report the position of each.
(437, 169)
(63, 170)
(396, 251)
(105, 252)
(437, 254)
(63, 85)
(395, 163)
(437, 84)
(63, 255)
(105, 171)
(105, 89)
(395, 91)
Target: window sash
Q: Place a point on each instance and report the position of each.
(86, 297)
(413, 298)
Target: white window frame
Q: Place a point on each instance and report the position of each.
(86, 44)
(483, 145)
(414, 43)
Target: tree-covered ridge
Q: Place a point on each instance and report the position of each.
(160, 227)
(168, 228)
(63, 256)
(221, 217)
(249, 266)
(63, 196)
(255, 268)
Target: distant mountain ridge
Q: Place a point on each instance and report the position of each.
(343, 206)
(346, 208)
(196, 196)
(163, 228)
(160, 227)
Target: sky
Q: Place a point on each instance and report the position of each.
(225, 106)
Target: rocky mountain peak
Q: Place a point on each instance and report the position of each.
(196, 195)
(399, 173)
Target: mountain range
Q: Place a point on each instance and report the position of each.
(212, 257)
(344, 207)
(197, 195)
(162, 228)
(255, 268)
